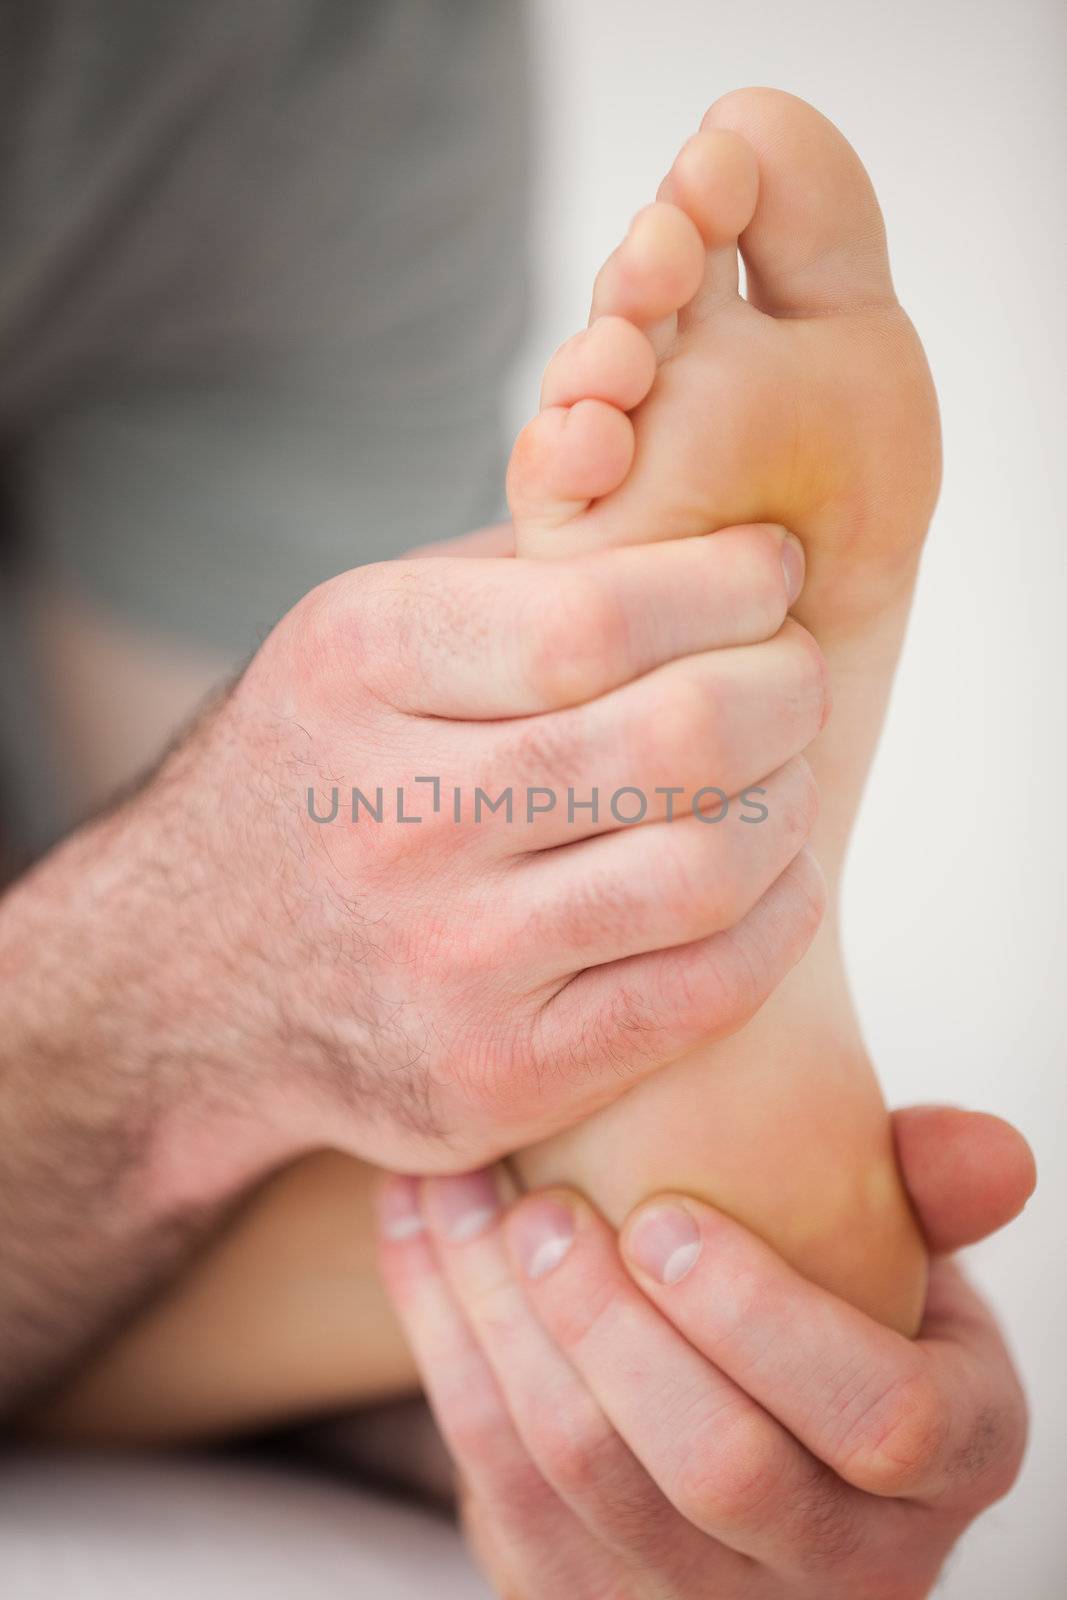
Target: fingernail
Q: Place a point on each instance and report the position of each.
(664, 1241)
(461, 1208)
(793, 565)
(542, 1232)
(399, 1216)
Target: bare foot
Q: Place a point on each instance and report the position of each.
(685, 408)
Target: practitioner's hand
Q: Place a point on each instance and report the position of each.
(205, 982)
(731, 1433)
(431, 993)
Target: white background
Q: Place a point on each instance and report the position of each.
(955, 901)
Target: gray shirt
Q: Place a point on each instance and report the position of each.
(261, 278)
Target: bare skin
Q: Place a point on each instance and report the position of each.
(204, 984)
(282, 1317)
(652, 1419)
(686, 408)
(107, 879)
(801, 1062)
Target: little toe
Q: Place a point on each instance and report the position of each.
(564, 458)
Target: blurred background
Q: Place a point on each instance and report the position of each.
(956, 897)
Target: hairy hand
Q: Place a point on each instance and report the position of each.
(207, 981)
(433, 992)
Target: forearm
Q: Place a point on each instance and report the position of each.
(117, 1147)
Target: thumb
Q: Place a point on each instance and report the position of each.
(968, 1173)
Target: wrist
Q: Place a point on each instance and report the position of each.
(117, 1045)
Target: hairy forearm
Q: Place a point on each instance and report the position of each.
(123, 1131)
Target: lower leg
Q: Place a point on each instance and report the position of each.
(282, 1317)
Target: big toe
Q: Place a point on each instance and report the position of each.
(816, 243)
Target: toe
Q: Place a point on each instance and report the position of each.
(816, 243)
(715, 181)
(656, 269)
(564, 458)
(612, 360)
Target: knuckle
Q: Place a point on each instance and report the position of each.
(812, 673)
(362, 625)
(801, 799)
(575, 1322)
(575, 1449)
(718, 989)
(631, 1028)
(678, 713)
(661, 888)
(633, 1016)
(690, 901)
(528, 1501)
(593, 911)
(323, 623)
(729, 1480)
(472, 1422)
(808, 895)
(494, 1078)
(698, 893)
(992, 1451)
(740, 970)
(473, 940)
(585, 1461)
(542, 751)
(490, 1309)
(900, 1438)
(575, 640)
(747, 1295)
(822, 1523)
(623, 1032)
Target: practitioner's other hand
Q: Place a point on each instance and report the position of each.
(677, 1415)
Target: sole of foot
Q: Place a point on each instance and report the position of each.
(688, 406)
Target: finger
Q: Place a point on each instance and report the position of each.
(693, 740)
(523, 1526)
(987, 1446)
(469, 637)
(668, 884)
(631, 1017)
(722, 1461)
(687, 736)
(567, 1435)
(892, 1416)
(967, 1173)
